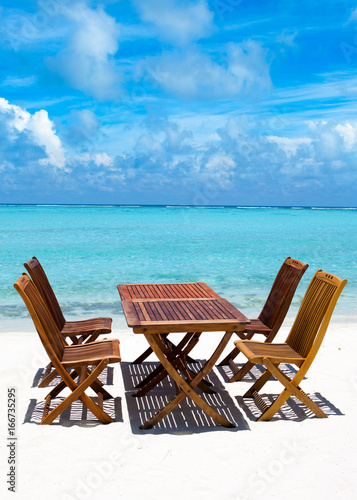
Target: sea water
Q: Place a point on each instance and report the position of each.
(87, 251)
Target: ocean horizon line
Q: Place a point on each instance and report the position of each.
(177, 206)
(187, 206)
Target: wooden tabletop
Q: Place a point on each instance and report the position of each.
(166, 291)
(178, 307)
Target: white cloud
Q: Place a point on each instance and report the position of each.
(44, 133)
(99, 159)
(81, 130)
(13, 81)
(38, 127)
(353, 16)
(189, 74)
(87, 62)
(290, 145)
(103, 159)
(287, 38)
(328, 142)
(180, 22)
(247, 61)
(348, 132)
(220, 169)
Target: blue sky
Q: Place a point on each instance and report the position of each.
(235, 102)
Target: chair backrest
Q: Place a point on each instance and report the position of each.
(315, 312)
(38, 275)
(41, 316)
(282, 293)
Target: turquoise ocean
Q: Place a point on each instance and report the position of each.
(88, 250)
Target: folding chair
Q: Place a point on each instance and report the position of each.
(78, 331)
(63, 357)
(273, 313)
(300, 347)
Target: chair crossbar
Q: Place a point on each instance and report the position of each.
(301, 345)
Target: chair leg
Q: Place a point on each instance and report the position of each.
(291, 388)
(60, 386)
(262, 380)
(49, 375)
(78, 393)
(242, 372)
(97, 386)
(234, 352)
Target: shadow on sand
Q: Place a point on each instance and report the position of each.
(292, 410)
(187, 417)
(76, 413)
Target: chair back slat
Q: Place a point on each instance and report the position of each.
(281, 293)
(40, 279)
(45, 325)
(315, 306)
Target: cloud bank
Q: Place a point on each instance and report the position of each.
(37, 130)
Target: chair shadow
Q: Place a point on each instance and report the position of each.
(293, 410)
(187, 417)
(255, 372)
(76, 414)
(106, 377)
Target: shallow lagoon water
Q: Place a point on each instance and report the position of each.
(87, 250)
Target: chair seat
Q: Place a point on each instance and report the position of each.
(279, 353)
(87, 327)
(91, 353)
(256, 326)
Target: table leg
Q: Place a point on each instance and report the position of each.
(186, 389)
(178, 357)
(187, 339)
(148, 351)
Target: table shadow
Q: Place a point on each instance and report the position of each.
(187, 417)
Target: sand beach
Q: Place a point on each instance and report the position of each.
(294, 455)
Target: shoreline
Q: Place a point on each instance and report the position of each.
(25, 325)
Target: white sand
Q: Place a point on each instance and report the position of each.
(291, 457)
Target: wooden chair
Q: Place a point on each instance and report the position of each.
(300, 347)
(63, 357)
(273, 313)
(77, 331)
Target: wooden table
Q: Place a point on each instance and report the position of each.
(156, 310)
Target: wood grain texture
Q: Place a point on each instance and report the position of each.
(273, 313)
(62, 357)
(182, 315)
(300, 347)
(78, 331)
